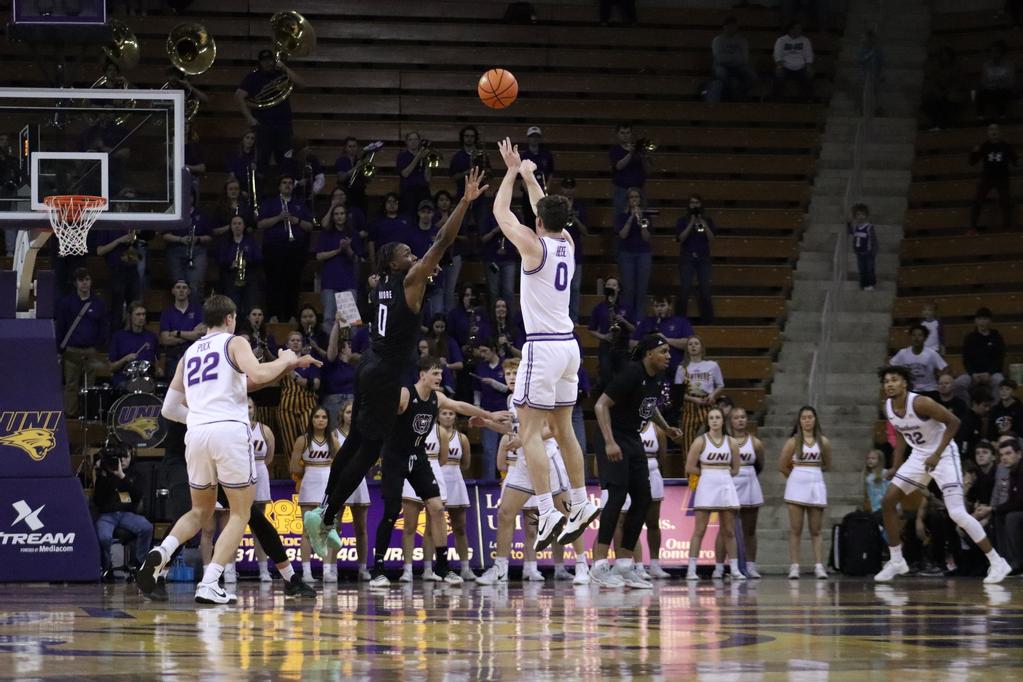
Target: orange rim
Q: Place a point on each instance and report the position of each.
(72, 205)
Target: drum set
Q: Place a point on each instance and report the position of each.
(131, 413)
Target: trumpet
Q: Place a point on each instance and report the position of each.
(287, 213)
(292, 36)
(646, 144)
(239, 267)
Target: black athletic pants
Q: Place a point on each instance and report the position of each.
(630, 476)
(396, 468)
(262, 529)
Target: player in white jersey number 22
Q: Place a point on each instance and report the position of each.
(927, 428)
(547, 381)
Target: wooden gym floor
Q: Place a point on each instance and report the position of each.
(843, 629)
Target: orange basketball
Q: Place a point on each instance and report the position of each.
(498, 88)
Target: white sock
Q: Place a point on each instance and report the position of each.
(545, 503)
(896, 552)
(794, 567)
(600, 563)
(692, 565)
(169, 546)
(212, 574)
(718, 568)
(580, 559)
(993, 556)
(751, 565)
(287, 571)
(408, 567)
(816, 566)
(734, 564)
(654, 564)
(164, 572)
(502, 563)
(427, 566)
(529, 566)
(579, 496)
(624, 564)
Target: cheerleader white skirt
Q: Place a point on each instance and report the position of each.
(656, 480)
(262, 482)
(747, 485)
(407, 493)
(806, 487)
(360, 498)
(314, 484)
(454, 482)
(716, 490)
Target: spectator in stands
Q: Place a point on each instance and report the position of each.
(350, 176)
(241, 264)
(975, 425)
(1008, 513)
(356, 218)
(793, 61)
(314, 338)
(180, 324)
(871, 60)
(979, 494)
(996, 156)
(1007, 412)
(626, 9)
(133, 343)
(507, 331)
(493, 392)
(337, 250)
(864, 239)
(983, 356)
(240, 164)
(299, 389)
(230, 204)
(264, 345)
(997, 83)
(694, 232)
(285, 225)
(186, 252)
(272, 124)
(500, 260)
(935, 329)
(421, 238)
(611, 323)
(471, 155)
(307, 170)
(539, 154)
(390, 226)
(121, 254)
(875, 483)
(446, 348)
(946, 397)
(676, 330)
(414, 174)
(118, 499)
(633, 229)
(945, 91)
(925, 365)
(467, 322)
(700, 382)
(733, 75)
(82, 327)
(337, 375)
(578, 228)
(630, 165)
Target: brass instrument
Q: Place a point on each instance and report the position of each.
(192, 51)
(432, 158)
(646, 144)
(251, 183)
(368, 169)
(191, 244)
(287, 213)
(133, 254)
(292, 36)
(124, 50)
(240, 267)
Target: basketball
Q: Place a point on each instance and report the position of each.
(498, 88)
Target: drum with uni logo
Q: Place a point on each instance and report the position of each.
(135, 420)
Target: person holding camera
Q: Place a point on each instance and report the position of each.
(694, 232)
(118, 500)
(414, 174)
(611, 323)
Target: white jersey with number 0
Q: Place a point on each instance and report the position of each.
(545, 290)
(215, 389)
(920, 433)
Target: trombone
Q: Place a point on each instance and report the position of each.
(368, 169)
(292, 36)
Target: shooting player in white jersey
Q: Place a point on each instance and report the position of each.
(209, 394)
(547, 384)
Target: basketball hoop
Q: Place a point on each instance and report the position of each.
(71, 216)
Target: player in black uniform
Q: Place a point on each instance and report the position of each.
(396, 305)
(625, 405)
(404, 456)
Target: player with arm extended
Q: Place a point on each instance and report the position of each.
(547, 385)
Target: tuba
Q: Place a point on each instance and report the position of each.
(192, 51)
(292, 36)
(124, 49)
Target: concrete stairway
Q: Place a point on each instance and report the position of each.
(848, 405)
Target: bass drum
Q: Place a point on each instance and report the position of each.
(135, 420)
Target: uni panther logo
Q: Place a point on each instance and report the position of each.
(30, 431)
(141, 420)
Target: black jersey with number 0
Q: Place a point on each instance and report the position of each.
(413, 425)
(394, 328)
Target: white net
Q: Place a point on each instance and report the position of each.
(71, 216)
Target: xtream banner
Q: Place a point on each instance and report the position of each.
(677, 521)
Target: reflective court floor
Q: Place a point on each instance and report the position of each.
(842, 629)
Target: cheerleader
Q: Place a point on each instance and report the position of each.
(311, 456)
(358, 502)
(298, 394)
(701, 383)
(262, 440)
(803, 459)
(411, 506)
(747, 485)
(714, 457)
(459, 459)
(655, 445)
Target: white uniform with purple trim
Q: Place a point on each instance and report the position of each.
(716, 490)
(317, 458)
(458, 493)
(217, 446)
(548, 375)
(359, 498)
(805, 485)
(258, 443)
(924, 436)
(746, 483)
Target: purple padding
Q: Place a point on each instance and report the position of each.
(46, 532)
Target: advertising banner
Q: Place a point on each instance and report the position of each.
(677, 520)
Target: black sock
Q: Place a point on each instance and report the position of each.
(441, 562)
